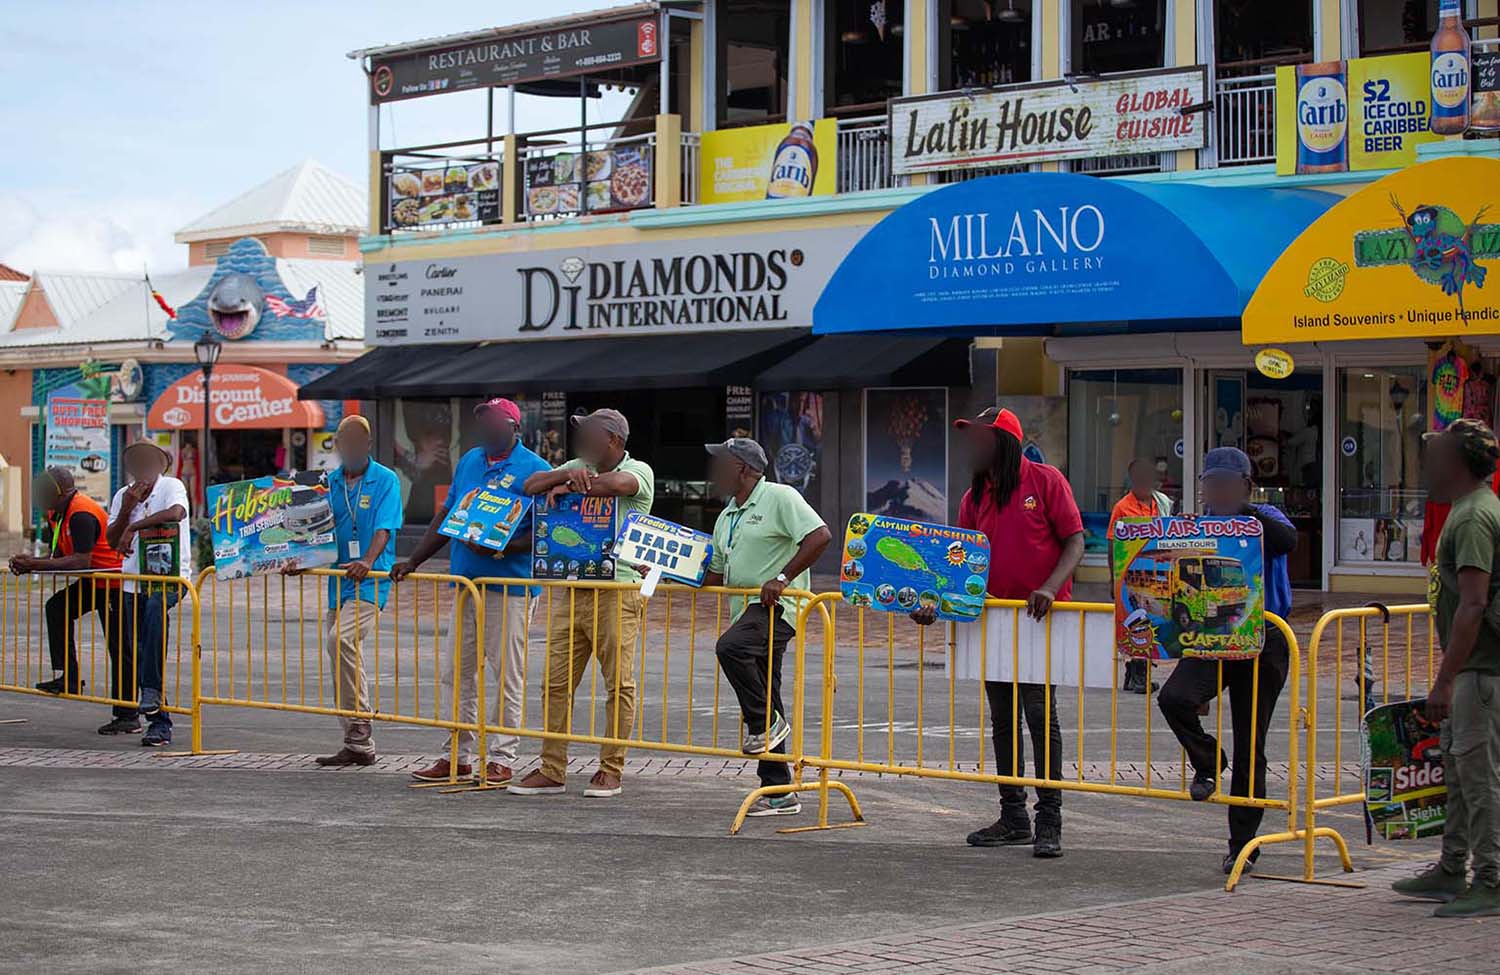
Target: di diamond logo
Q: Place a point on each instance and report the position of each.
(571, 267)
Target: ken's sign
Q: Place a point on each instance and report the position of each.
(664, 548)
(1131, 112)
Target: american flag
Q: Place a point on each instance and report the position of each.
(306, 308)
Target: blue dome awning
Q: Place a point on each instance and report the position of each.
(1026, 253)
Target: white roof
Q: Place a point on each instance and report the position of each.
(308, 198)
(129, 314)
(11, 293)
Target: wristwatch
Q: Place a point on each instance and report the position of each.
(781, 578)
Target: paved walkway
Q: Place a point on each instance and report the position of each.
(1266, 927)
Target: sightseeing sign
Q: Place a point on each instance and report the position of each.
(1407, 256)
(1130, 112)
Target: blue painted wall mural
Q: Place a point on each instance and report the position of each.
(245, 298)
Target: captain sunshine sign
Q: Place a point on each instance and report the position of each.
(1131, 112)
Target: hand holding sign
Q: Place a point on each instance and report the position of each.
(664, 548)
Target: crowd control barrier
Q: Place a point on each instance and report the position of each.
(1381, 654)
(94, 621)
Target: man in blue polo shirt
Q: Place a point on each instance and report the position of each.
(366, 500)
(502, 463)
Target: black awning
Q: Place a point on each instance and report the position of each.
(593, 364)
(877, 359)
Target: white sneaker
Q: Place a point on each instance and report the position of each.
(775, 806)
(758, 744)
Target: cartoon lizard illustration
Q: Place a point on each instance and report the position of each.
(1432, 249)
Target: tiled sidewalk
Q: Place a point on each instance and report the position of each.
(1266, 927)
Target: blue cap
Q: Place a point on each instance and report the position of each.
(1225, 462)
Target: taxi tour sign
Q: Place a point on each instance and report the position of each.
(1406, 257)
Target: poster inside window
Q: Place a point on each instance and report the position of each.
(906, 453)
(791, 431)
(427, 446)
(1383, 412)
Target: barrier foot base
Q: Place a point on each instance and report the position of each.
(200, 754)
(1315, 881)
(818, 787)
(475, 787)
(445, 784)
(1300, 836)
(12, 720)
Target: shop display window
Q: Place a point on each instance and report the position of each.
(754, 58)
(1115, 416)
(1396, 26)
(1382, 497)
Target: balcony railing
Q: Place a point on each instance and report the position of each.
(1245, 120)
(864, 154)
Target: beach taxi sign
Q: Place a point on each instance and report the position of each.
(663, 549)
(486, 516)
(897, 566)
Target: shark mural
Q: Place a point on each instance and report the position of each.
(245, 298)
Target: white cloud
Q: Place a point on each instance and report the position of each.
(76, 234)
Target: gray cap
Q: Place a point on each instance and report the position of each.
(741, 449)
(610, 421)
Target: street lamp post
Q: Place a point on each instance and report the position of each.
(206, 350)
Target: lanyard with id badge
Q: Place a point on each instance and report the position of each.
(359, 495)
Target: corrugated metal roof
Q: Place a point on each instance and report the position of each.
(74, 295)
(551, 23)
(11, 293)
(308, 197)
(340, 288)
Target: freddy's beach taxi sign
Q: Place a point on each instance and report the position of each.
(1410, 255)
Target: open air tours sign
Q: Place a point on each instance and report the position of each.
(1410, 255)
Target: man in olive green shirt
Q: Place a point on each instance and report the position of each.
(1465, 695)
(596, 621)
(767, 538)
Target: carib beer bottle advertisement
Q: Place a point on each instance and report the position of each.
(1372, 113)
(769, 162)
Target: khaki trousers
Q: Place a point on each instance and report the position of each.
(507, 619)
(1470, 740)
(602, 624)
(352, 624)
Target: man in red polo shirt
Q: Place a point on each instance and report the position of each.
(1036, 541)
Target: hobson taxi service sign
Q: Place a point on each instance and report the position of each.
(1130, 112)
(1415, 254)
(744, 281)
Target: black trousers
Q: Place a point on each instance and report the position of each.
(65, 608)
(742, 653)
(1046, 747)
(1195, 682)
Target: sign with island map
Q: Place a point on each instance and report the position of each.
(897, 565)
(572, 538)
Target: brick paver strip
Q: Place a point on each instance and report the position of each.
(1299, 927)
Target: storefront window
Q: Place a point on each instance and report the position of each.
(1114, 417)
(1113, 36)
(1390, 26)
(864, 54)
(427, 446)
(989, 42)
(754, 54)
(1382, 415)
(1252, 38)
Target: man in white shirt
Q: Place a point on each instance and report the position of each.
(148, 525)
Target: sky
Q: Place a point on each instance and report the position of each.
(127, 120)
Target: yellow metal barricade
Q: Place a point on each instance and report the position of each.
(898, 720)
(604, 667)
(271, 643)
(1357, 658)
(93, 618)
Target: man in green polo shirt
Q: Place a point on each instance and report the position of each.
(767, 538)
(600, 622)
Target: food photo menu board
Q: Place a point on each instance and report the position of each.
(444, 194)
(592, 182)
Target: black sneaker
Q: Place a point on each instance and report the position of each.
(1048, 843)
(121, 726)
(1229, 861)
(57, 686)
(1203, 784)
(1002, 833)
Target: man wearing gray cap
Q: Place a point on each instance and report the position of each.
(596, 622)
(767, 538)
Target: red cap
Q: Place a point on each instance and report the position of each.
(507, 408)
(994, 418)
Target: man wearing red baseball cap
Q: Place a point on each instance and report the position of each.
(501, 463)
(1036, 537)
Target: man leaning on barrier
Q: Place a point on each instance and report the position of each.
(148, 524)
(365, 497)
(76, 526)
(500, 462)
(1225, 487)
(1465, 695)
(602, 624)
(767, 538)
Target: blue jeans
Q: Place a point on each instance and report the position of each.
(148, 629)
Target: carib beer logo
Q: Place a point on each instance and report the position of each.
(1322, 119)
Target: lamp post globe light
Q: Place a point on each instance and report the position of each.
(206, 350)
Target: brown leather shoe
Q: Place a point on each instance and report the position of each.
(496, 774)
(346, 756)
(604, 785)
(537, 784)
(439, 771)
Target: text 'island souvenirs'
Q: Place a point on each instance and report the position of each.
(572, 537)
(897, 565)
(267, 523)
(487, 516)
(663, 549)
(1189, 587)
(1405, 795)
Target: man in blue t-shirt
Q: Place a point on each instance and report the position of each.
(366, 500)
(500, 463)
(1224, 488)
